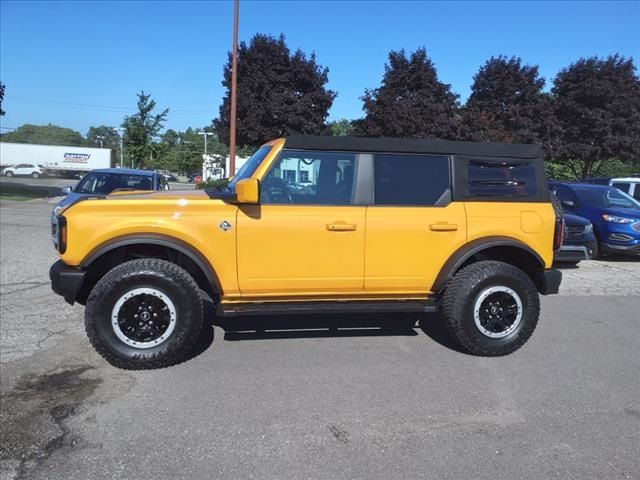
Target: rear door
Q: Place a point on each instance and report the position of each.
(412, 225)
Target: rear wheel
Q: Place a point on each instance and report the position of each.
(145, 313)
(491, 308)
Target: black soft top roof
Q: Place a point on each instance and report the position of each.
(405, 145)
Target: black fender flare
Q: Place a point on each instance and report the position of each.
(159, 240)
(460, 256)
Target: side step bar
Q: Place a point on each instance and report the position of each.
(302, 307)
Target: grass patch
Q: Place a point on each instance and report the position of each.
(15, 198)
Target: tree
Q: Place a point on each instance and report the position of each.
(507, 104)
(44, 135)
(340, 128)
(140, 128)
(103, 135)
(279, 93)
(411, 101)
(597, 103)
(2, 112)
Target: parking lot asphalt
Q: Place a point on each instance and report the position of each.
(343, 397)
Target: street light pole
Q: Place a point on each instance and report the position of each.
(121, 130)
(234, 87)
(205, 134)
(100, 138)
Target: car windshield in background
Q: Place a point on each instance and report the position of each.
(249, 167)
(606, 197)
(105, 183)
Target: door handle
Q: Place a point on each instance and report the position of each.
(443, 227)
(341, 227)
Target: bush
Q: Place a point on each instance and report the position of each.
(217, 184)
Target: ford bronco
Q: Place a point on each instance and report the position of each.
(315, 224)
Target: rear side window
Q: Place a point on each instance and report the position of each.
(496, 178)
(411, 179)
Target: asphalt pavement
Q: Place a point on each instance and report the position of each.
(343, 397)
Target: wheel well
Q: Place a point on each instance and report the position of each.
(105, 262)
(518, 257)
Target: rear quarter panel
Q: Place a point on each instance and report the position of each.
(531, 223)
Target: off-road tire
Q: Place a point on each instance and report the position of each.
(161, 275)
(461, 293)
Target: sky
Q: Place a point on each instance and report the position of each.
(81, 63)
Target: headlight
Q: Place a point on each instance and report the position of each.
(588, 229)
(616, 219)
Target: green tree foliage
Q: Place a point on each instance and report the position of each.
(597, 102)
(44, 135)
(279, 93)
(140, 128)
(2, 87)
(340, 128)
(108, 135)
(411, 101)
(507, 104)
(182, 151)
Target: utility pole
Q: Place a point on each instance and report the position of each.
(234, 87)
(205, 134)
(121, 130)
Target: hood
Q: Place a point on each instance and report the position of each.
(570, 219)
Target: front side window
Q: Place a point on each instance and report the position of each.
(495, 178)
(410, 179)
(606, 198)
(310, 178)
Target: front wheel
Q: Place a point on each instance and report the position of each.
(35, 175)
(143, 314)
(491, 308)
(8, 174)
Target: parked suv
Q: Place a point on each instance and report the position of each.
(629, 185)
(614, 214)
(380, 225)
(24, 169)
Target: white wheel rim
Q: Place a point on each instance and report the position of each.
(146, 317)
(489, 315)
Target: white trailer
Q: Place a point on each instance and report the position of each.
(56, 159)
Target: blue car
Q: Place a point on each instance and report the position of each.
(107, 180)
(578, 242)
(614, 214)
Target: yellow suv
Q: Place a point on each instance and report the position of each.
(315, 224)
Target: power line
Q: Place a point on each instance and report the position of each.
(90, 106)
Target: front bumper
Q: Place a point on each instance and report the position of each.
(633, 249)
(66, 280)
(551, 280)
(574, 253)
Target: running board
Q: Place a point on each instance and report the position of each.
(302, 307)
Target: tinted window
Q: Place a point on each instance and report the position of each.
(622, 186)
(105, 183)
(636, 191)
(410, 179)
(564, 194)
(310, 178)
(606, 197)
(495, 178)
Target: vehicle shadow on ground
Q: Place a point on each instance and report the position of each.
(283, 327)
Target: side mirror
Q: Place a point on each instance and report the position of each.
(248, 191)
(568, 203)
(66, 190)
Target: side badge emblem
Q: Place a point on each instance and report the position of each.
(224, 226)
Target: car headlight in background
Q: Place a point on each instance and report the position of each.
(616, 219)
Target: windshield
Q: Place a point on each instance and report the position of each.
(606, 197)
(105, 183)
(249, 167)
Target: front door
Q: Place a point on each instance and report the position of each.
(306, 237)
(412, 226)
